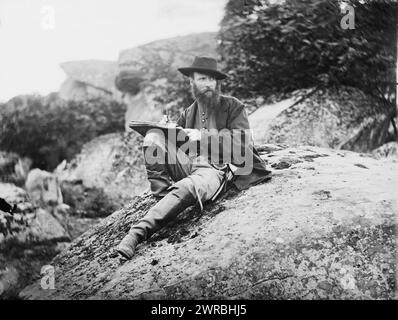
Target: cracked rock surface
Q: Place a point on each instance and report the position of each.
(322, 228)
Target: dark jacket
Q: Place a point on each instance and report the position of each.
(231, 114)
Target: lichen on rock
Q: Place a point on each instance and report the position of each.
(326, 233)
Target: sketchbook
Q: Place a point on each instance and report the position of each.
(142, 127)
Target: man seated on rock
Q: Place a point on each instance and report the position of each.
(214, 122)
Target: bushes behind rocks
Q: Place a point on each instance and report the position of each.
(13, 169)
(49, 129)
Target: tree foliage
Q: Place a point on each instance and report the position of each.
(49, 129)
(270, 48)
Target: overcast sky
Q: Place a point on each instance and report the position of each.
(37, 35)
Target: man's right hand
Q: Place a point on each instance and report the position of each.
(193, 134)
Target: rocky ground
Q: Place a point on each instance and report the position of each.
(30, 238)
(106, 174)
(338, 118)
(323, 227)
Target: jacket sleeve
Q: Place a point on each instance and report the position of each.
(238, 118)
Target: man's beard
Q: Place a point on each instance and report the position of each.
(210, 101)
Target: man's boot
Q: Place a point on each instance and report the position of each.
(126, 247)
(168, 208)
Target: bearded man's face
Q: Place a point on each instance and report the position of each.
(205, 89)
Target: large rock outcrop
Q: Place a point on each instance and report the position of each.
(322, 227)
(341, 119)
(159, 57)
(144, 77)
(89, 79)
(113, 163)
(145, 72)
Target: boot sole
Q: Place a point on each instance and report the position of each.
(125, 253)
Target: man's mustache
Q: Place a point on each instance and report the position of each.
(202, 95)
(207, 90)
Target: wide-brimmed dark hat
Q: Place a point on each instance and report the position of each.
(206, 65)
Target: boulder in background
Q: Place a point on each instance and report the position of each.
(88, 79)
(112, 163)
(148, 75)
(43, 188)
(343, 118)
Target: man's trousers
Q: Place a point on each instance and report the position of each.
(180, 179)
